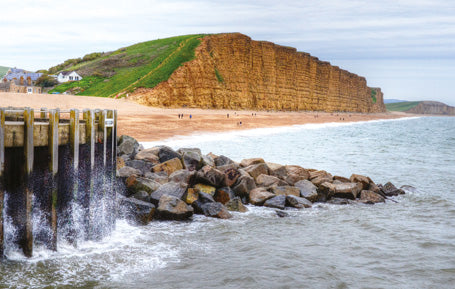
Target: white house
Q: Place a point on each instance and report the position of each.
(65, 76)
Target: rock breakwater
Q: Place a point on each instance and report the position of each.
(166, 184)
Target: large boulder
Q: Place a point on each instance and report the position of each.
(249, 162)
(142, 196)
(165, 153)
(207, 160)
(257, 170)
(168, 166)
(231, 175)
(216, 210)
(192, 160)
(140, 165)
(362, 180)
(319, 177)
(297, 202)
(210, 176)
(325, 191)
(205, 198)
(243, 186)
(182, 151)
(264, 180)
(222, 160)
(389, 189)
(369, 197)
(259, 195)
(126, 172)
(278, 202)
(277, 170)
(148, 155)
(172, 189)
(341, 179)
(286, 190)
(307, 190)
(191, 196)
(182, 176)
(224, 195)
(340, 190)
(295, 174)
(159, 177)
(135, 211)
(205, 189)
(172, 208)
(127, 146)
(236, 205)
(135, 184)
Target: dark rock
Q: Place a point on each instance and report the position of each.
(207, 160)
(249, 162)
(340, 201)
(135, 184)
(205, 198)
(281, 214)
(390, 190)
(307, 190)
(127, 146)
(211, 176)
(140, 165)
(236, 205)
(244, 185)
(297, 202)
(135, 211)
(172, 189)
(369, 197)
(192, 161)
(224, 168)
(277, 170)
(168, 166)
(224, 195)
(222, 160)
(259, 195)
(142, 196)
(165, 154)
(231, 176)
(216, 210)
(182, 176)
(325, 191)
(257, 170)
(278, 202)
(126, 172)
(172, 208)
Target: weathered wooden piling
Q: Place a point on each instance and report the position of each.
(54, 119)
(27, 241)
(2, 167)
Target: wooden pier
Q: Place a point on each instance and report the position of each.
(50, 159)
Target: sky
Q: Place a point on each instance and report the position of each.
(406, 47)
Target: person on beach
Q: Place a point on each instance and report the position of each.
(228, 115)
(191, 116)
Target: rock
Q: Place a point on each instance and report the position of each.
(224, 195)
(347, 190)
(165, 154)
(363, 180)
(297, 202)
(182, 151)
(244, 185)
(286, 190)
(120, 162)
(211, 176)
(295, 174)
(267, 181)
(159, 177)
(340, 201)
(207, 160)
(325, 191)
(205, 189)
(231, 176)
(148, 155)
(341, 179)
(318, 174)
(135, 211)
(168, 166)
(135, 184)
(139, 165)
(192, 195)
(319, 180)
(182, 176)
(127, 146)
(126, 172)
(257, 170)
(171, 189)
(142, 196)
(236, 205)
(277, 170)
(205, 198)
(172, 208)
(390, 190)
(192, 160)
(259, 195)
(369, 197)
(224, 168)
(222, 160)
(249, 162)
(278, 202)
(216, 210)
(281, 214)
(307, 190)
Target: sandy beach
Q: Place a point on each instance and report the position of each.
(152, 124)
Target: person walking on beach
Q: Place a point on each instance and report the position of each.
(191, 116)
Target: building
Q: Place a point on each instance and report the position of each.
(19, 85)
(65, 76)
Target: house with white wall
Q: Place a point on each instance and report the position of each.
(65, 76)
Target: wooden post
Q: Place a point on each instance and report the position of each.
(2, 167)
(43, 113)
(27, 244)
(54, 118)
(89, 117)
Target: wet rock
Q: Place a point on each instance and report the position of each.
(216, 210)
(139, 165)
(340, 201)
(159, 177)
(277, 170)
(278, 202)
(135, 184)
(369, 197)
(363, 180)
(127, 146)
(224, 195)
(192, 160)
(259, 195)
(172, 208)
(135, 211)
(307, 190)
(207, 160)
(165, 154)
(222, 160)
(249, 162)
(205, 198)
(172, 189)
(267, 181)
(297, 202)
(236, 205)
(210, 176)
(295, 174)
(142, 196)
(205, 189)
(347, 190)
(231, 176)
(182, 176)
(168, 166)
(126, 172)
(286, 190)
(390, 190)
(149, 155)
(244, 185)
(325, 191)
(281, 214)
(256, 170)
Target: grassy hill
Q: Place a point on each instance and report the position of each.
(141, 65)
(401, 106)
(3, 70)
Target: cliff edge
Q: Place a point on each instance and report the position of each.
(235, 72)
(432, 107)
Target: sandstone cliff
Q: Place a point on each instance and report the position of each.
(232, 71)
(432, 107)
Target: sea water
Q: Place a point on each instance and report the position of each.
(409, 243)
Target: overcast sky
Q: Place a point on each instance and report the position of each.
(406, 47)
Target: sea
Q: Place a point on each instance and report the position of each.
(407, 242)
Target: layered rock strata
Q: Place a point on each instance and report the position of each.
(232, 71)
(432, 107)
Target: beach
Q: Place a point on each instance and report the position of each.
(151, 124)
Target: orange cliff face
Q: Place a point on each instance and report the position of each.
(234, 72)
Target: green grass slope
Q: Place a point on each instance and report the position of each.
(401, 106)
(3, 70)
(141, 65)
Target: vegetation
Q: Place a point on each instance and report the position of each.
(401, 106)
(46, 81)
(3, 70)
(141, 65)
(218, 76)
(373, 95)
